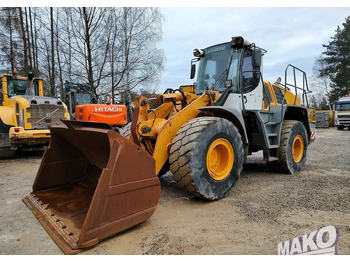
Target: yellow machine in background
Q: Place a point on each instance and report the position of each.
(25, 113)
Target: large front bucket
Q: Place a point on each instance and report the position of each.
(92, 183)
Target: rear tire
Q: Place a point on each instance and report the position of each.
(292, 150)
(206, 157)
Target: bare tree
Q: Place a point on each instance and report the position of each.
(8, 37)
(65, 38)
(44, 46)
(90, 45)
(32, 46)
(52, 77)
(111, 49)
(35, 43)
(59, 64)
(28, 45)
(320, 79)
(136, 61)
(24, 39)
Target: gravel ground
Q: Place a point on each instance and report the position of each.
(262, 210)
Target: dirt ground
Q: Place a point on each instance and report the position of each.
(262, 210)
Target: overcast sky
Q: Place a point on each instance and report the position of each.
(291, 35)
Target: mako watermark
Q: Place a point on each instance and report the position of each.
(320, 242)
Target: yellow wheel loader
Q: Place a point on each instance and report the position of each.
(25, 113)
(93, 182)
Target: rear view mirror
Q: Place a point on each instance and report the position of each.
(193, 71)
(256, 59)
(229, 83)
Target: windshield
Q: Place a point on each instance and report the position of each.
(214, 65)
(82, 98)
(342, 106)
(17, 87)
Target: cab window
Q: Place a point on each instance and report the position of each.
(250, 78)
(18, 87)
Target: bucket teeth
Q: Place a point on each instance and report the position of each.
(54, 222)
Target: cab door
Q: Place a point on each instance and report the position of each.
(252, 85)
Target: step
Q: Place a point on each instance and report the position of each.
(272, 158)
(271, 123)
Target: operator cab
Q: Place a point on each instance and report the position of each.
(18, 87)
(234, 70)
(235, 65)
(342, 105)
(77, 94)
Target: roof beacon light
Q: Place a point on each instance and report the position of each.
(239, 41)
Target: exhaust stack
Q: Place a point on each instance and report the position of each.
(29, 89)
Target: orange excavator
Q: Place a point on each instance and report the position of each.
(83, 106)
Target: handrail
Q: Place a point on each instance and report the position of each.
(305, 88)
(268, 101)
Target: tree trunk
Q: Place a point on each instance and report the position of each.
(63, 95)
(12, 56)
(53, 93)
(88, 49)
(128, 101)
(36, 57)
(24, 39)
(35, 68)
(28, 41)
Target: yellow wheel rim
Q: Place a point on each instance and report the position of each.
(298, 148)
(220, 158)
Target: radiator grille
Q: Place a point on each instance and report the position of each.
(43, 115)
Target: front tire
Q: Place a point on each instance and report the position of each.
(6, 152)
(292, 150)
(206, 157)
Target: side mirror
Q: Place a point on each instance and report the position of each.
(229, 83)
(193, 71)
(256, 58)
